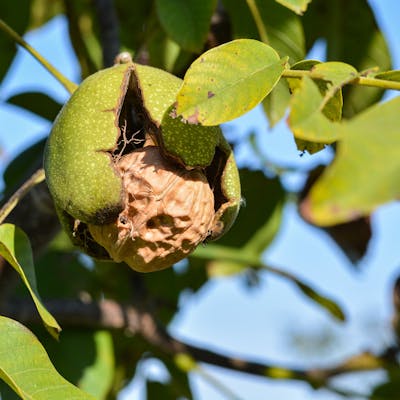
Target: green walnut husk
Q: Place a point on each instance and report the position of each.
(113, 146)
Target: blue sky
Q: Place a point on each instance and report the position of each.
(258, 323)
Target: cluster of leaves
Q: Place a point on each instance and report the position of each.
(233, 55)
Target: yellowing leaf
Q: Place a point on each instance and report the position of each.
(366, 171)
(227, 81)
(27, 369)
(338, 73)
(312, 123)
(365, 45)
(298, 6)
(16, 249)
(306, 118)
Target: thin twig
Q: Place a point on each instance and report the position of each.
(361, 81)
(255, 12)
(36, 178)
(70, 86)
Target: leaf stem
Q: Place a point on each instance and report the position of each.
(36, 178)
(262, 31)
(69, 86)
(362, 81)
(382, 83)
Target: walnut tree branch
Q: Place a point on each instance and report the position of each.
(109, 30)
(108, 314)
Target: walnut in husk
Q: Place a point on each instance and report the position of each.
(131, 182)
(167, 212)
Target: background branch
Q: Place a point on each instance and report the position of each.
(109, 314)
(109, 30)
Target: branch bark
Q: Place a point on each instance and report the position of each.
(109, 314)
(109, 30)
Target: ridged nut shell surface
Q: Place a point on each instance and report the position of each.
(167, 212)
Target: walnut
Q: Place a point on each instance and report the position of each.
(130, 181)
(167, 212)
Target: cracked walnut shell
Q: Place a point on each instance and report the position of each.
(167, 212)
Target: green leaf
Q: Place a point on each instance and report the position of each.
(315, 104)
(38, 103)
(187, 280)
(176, 388)
(162, 51)
(16, 249)
(298, 6)
(333, 100)
(325, 302)
(256, 226)
(222, 268)
(186, 21)
(227, 81)
(69, 266)
(16, 171)
(264, 236)
(227, 260)
(134, 26)
(260, 206)
(42, 11)
(332, 109)
(27, 368)
(98, 378)
(388, 390)
(352, 237)
(157, 390)
(83, 37)
(366, 171)
(338, 73)
(15, 14)
(71, 365)
(283, 28)
(352, 36)
(277, 102)
(306, 118)
(310, 147)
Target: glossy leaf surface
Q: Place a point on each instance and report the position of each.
(227, 81)
(298, 6)
(16, 249)
(38, 103)
(28, 370)
(348, 189)
(186, 21)
(283, 28)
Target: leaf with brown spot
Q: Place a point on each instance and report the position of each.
(232, 78)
